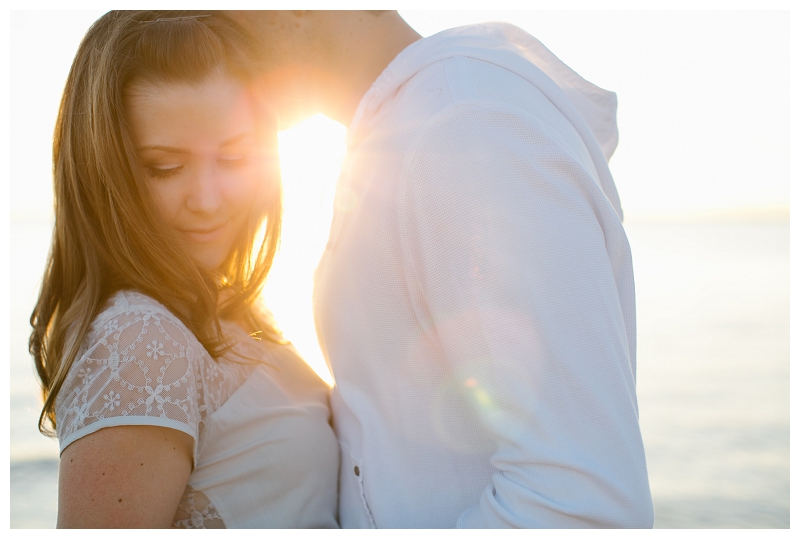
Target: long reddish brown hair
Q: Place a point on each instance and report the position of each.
(108, 234)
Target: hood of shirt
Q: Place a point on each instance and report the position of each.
(513, 49)
(517, 51)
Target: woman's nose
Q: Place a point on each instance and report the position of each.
(204, 194)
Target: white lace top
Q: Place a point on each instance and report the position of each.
(265, 455)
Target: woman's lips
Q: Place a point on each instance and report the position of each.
(203, 235)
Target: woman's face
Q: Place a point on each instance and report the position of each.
(200, 152)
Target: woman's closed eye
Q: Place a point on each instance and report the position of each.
(233, 160)
(162, 171)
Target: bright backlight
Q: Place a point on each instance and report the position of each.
(311, 155)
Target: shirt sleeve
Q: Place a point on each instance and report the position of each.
(140, 367)
(502, 224)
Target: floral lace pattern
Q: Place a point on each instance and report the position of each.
(139, 365)
(196, 511)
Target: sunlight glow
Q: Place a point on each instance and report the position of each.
(311, 156)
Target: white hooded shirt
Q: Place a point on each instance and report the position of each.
(476, 299)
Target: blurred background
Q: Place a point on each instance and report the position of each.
(702, 169)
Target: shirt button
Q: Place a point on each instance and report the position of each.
(356, 471)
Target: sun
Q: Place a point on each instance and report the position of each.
(311, 156)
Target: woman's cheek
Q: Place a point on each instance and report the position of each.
(245, 190)
(167, 199)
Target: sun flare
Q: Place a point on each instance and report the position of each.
(311, 155)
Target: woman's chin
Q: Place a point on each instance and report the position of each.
(210, 261)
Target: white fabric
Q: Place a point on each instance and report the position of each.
(476, 299)
(265, 455)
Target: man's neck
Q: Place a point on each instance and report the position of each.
(365, 46)
(322, 61)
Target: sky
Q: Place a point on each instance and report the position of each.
(703, 119)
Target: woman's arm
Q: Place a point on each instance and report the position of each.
(124, 477)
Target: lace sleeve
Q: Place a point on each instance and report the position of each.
(141, 366)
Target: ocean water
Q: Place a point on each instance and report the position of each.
(713, 374)
(713, 371)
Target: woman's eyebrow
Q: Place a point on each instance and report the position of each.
(169, 149)
(237, 138)
(173, 149)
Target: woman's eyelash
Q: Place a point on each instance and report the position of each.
(233, 161)
(156, 172)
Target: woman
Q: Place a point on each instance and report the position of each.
(173, 397)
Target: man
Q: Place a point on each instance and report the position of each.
(476, 301)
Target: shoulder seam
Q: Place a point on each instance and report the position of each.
(459, 79)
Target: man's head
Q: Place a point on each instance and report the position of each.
(322, 61)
